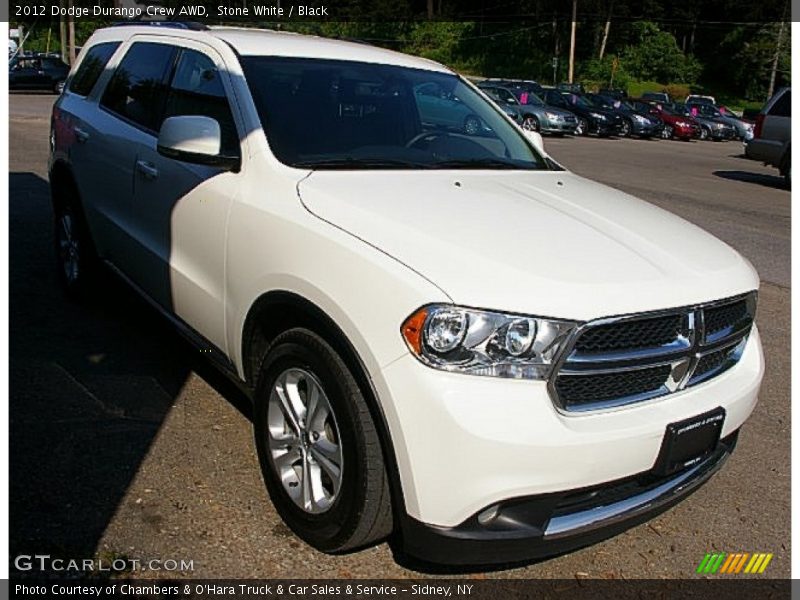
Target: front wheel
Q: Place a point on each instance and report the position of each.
(666, 132)
(319, 451)
(472, 125)
(583, 127)
(530, 123)
(58, 87)
(625, 128)
(704, 133)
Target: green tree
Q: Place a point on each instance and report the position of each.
(657, 57)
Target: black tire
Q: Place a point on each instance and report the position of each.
(77, 264)
(626, 128)
(786, 170)
(583, 127)
(58, 87)
(360, 513)
(705, 133)
(530, 123)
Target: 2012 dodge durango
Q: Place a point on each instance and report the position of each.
(445, 334)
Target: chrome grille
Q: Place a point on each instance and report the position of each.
(632, 358)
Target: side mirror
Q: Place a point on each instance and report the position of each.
(194, 139)
(535, 138)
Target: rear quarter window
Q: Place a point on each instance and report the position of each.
(783, 106)
(92, 67)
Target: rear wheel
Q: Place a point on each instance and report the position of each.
(58, 87)
(704, 133)
(76, 258)
(319, 451)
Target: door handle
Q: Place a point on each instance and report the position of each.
(147, 169)
(80, 134)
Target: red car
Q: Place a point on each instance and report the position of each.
(676, 124)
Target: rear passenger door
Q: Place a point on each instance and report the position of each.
(181, 208)
(128, 116)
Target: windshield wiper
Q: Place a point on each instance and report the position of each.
(349, 162)
(476, 163)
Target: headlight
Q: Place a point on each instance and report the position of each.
(477, 342)
(641, 119)
(553, 116)
(600, 116)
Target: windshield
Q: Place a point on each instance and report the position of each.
(330, 114)
(502, 95)
(582, 101)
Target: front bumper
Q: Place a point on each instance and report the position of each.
(603, 127)
(722, 134)
(645, 130)
(465, 443)
(538, 526)
(559, 126)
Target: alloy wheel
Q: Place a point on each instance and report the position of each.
(625, 128)
(68, 247)
(530, 123)
(666, 133)
(304, 441)
(582, 127)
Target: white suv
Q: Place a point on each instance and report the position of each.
(444, 333)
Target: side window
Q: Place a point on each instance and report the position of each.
(197, 90)
(92, 67)
(138, 89)
(783, 106)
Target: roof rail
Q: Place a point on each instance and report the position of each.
(192, 25)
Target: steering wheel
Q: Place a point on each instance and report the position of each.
(421, 136)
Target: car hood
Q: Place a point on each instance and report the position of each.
(543, 242)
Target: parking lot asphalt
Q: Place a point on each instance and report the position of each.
(125, 443)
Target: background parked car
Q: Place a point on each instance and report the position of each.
(507, 101)
(576, 88)
(37, 72)
(676, 124)
(698, 99)
(512, 84)
(617, 94)
(772, 135)
(717, 130)
(744, 129)
(661, 97)
(591, 118)
(634, 122)
(536, 115)
(441, 108)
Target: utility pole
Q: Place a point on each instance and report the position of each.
(606, 29)
(572, 41)
(62, 31)
(777, 55)
(71, 26)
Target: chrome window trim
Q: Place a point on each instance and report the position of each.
(684, 357)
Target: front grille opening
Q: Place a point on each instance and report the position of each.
(631, 335)
(721, 318)
(713, 363)
(575, 390)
